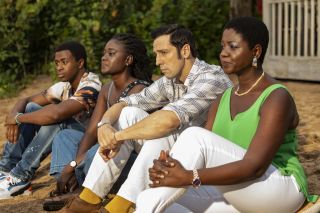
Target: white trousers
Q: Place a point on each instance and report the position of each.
(102, 175)
(199, 148)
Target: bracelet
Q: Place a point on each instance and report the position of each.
(16, 118)
(103, 122)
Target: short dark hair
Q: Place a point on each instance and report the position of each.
(253, 31)
(140, 67)
(179, 36)
(77, 50)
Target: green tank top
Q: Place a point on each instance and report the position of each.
(242, 128)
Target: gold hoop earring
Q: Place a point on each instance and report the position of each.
(255, 62)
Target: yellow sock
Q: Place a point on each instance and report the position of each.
(118, 205)
(90, 197)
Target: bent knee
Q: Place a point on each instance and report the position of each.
(130, 111)
(192, 132)
(31, 107)
(63, 137)
(130, 115)
(147, 201)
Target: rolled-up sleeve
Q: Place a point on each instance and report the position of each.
(87, 96)
(54, 93)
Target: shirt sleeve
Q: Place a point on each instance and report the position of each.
(150, 98)
(87, 92)
(55, 92)
(199, 96)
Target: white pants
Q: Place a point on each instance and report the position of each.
(199, 148)
(102, 175)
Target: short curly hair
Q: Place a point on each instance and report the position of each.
(77, 50)
(253, 31)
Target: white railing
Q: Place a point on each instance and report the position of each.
(294, 27)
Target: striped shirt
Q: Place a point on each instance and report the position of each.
(189, 101)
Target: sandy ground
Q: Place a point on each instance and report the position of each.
(306, 95)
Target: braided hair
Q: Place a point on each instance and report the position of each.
(140, 67)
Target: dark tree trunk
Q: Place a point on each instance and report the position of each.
(240, 8)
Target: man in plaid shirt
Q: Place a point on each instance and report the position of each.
(183, 96)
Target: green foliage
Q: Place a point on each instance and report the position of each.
(30, 29)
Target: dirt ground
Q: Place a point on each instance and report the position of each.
(306, 95)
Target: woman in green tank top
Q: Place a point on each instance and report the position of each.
(249, 162)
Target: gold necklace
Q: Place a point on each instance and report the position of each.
(253, 85)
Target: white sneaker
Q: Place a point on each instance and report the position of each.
(12, 186)
(3, 175)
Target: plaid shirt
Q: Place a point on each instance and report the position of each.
(189, 101)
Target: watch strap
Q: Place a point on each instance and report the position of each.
(196, 182)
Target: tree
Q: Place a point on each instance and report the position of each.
(240, 8)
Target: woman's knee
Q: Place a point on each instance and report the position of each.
(191, 131)
(147, 201)
(132, 112)
(191, 135)
(62, 138)
(130, 116)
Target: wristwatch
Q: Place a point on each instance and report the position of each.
(103, 122)
(196, 182)
(73, 164)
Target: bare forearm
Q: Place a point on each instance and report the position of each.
(19, 106)
(156, 125)
(52, 113)
(40, 117)
(231, 173)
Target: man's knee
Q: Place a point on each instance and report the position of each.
(31, 107)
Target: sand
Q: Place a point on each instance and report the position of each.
(306, 95)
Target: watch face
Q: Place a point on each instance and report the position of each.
(73, 163)
(196, 182)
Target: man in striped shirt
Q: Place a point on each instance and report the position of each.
(183, 96)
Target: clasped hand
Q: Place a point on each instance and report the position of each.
(67, 182)
(12, 129)
(109, 146)
(167, 171)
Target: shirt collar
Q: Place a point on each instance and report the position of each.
(193, 71)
